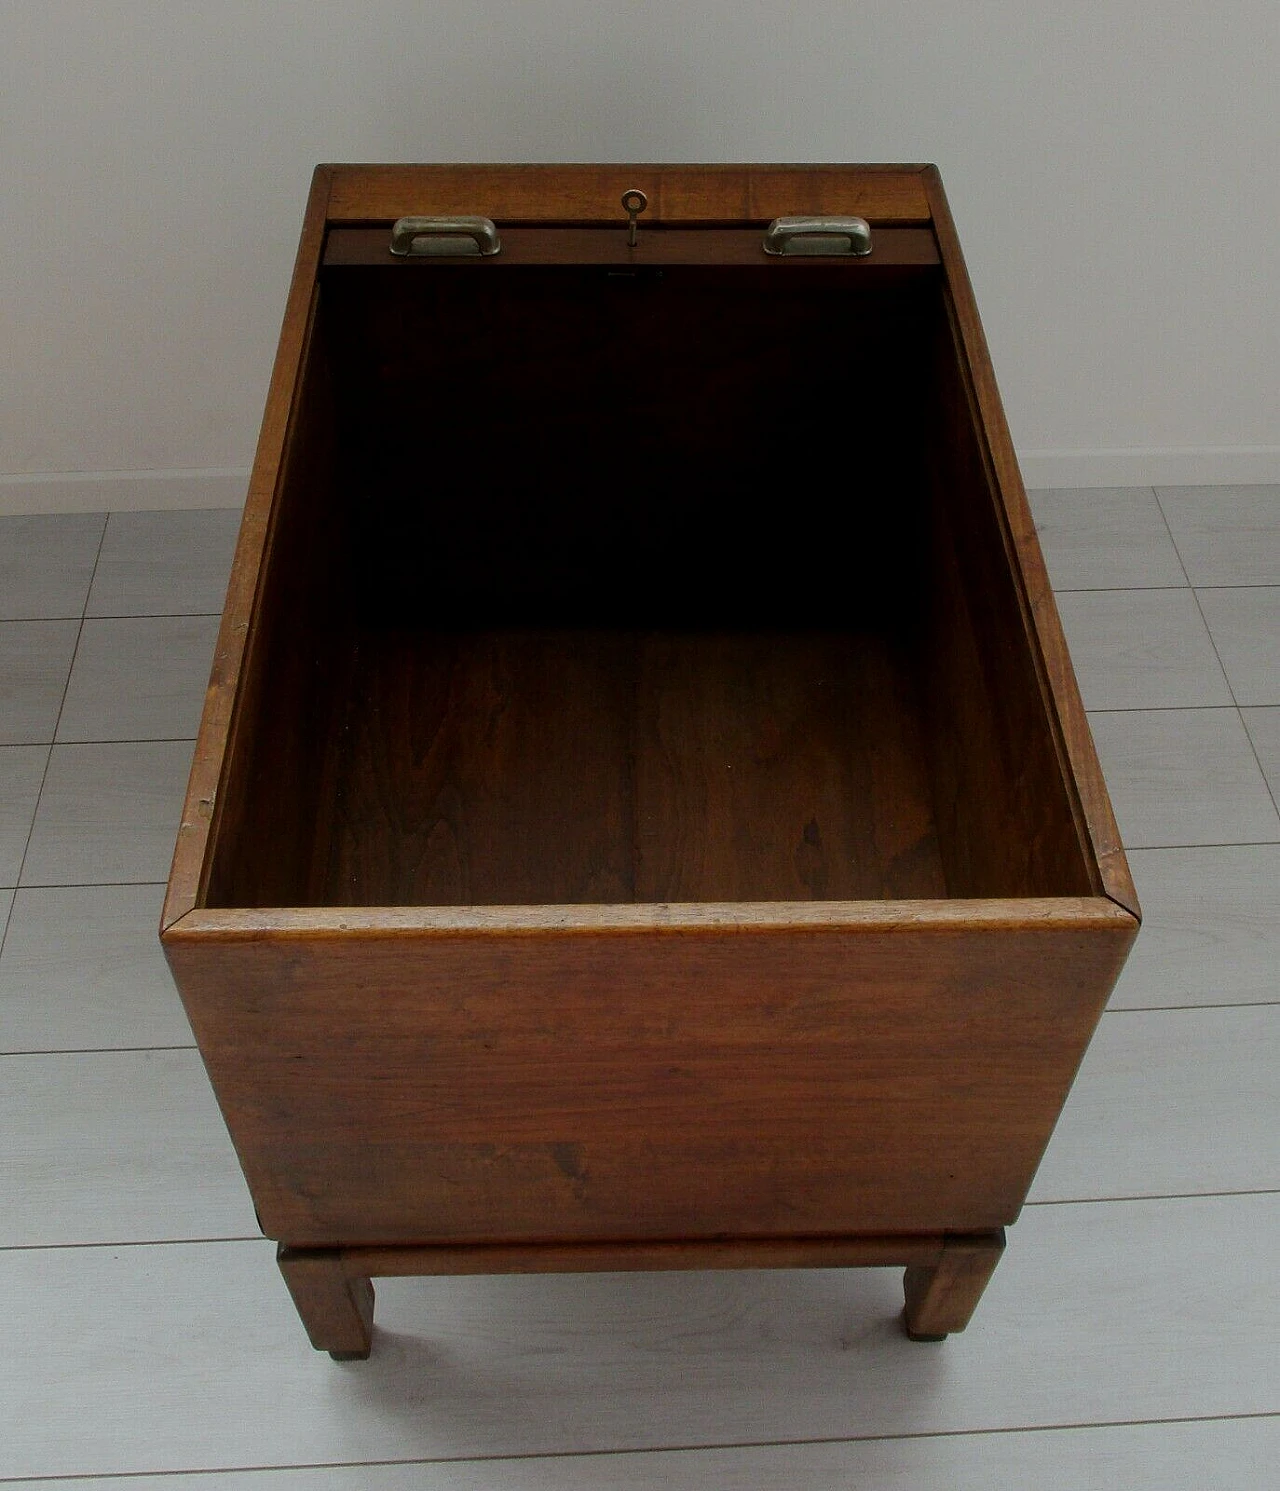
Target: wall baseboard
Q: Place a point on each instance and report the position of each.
(1172, 466)
(122, 491)
(224, 486)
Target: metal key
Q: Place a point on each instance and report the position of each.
(634, 203)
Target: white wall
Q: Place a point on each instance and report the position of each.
(1114, 170)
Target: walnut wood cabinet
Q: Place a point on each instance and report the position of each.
(643, 815)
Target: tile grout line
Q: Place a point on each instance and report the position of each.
(155, 615)
(1154, 1196)
(122, 884)
(237, 1239)
(101, 1050)
(709, 1447)
(197, 615)
(151, 1242)
(1267, 586)
(142, 740)
(194, 616)
(1162, 848)
(1158, 1009)
(1231, 844)
(1275, 803)
(44, 775)
(1163, 708)
(1102, 589)
(1117, 589)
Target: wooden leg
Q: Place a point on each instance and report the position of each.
(941, 1297)
(336, 1308)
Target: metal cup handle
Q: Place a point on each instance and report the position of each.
(421, 237)
(818, 235)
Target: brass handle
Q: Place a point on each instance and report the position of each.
(818, 235)
(444, 237)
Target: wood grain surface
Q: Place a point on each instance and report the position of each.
(730, 194)
(642, 797)
(1079, 765)
(333, 1291)
(726, 248)
(865, 1251)
(511, 768)
(640, 1083)
(221, 721)
(1006, 818)
(941, 1297)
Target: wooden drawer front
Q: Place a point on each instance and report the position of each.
(690, 1083)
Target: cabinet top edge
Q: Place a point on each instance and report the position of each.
(729, 193)
(1077, 913)
(348, 171)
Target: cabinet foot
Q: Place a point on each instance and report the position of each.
(941, 1297)
(336, 1308)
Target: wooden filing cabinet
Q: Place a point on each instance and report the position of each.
(643, 814)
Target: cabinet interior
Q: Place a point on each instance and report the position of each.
(589, 586)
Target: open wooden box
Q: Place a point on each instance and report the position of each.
(643, 814)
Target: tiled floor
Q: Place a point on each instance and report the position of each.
(1130, 1339)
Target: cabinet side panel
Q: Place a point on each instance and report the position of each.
(201, 813)
(264, 840)
(1078, 758)
(430, 1088)
(1006, 825)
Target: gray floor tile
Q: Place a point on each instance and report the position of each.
(1183, 776)
(108, 813)
(189, 1356)
(1244, 623)
(1171, 1103)
(1212, 1455)
(35, 659)
(21, 771)
(6, 904)
(139, 678)
(1210, 928)
(1264, 730)
(1226, 535)
(46, 563)
(164, 563)
(116, 1146)
(1108, 538)
(1141, 649)
(82, 970)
